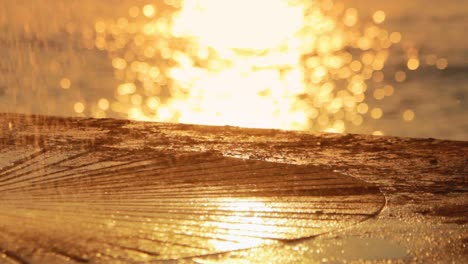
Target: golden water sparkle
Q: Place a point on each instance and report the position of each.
(302, 65)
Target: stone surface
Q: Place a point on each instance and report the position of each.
(89, 190)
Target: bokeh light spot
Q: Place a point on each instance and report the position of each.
(79, 107)
(408, 115)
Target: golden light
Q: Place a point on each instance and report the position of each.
(65, 83)
(103, 104)
(238, 228)
(400, 76)
(148, 11)
(379, 17)
(376, 113)
(350, 17)
(302, 65)
(238, 24)
(377, 133)
(79, 107)
(378, 76)
(119, 63)
(413, 64)
(442, 64)
(408, 115)
(395, 37)
(100, 26)
(362, 108)
(244, 85)
(389, 90)
(379, 94)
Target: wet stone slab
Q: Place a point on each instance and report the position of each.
(109, 191)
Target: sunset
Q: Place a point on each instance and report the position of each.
(206, 131)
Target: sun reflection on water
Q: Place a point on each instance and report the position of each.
(246, 231)
(282, 64)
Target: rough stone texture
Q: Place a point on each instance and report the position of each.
(424, 182)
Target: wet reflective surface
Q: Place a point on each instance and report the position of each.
(64, 198)
(360, 66)
(87, 190)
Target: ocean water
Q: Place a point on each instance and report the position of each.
(42, 42)
(439, 98)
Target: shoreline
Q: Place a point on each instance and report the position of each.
(424, 181)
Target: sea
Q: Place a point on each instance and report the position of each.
(48, 62)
